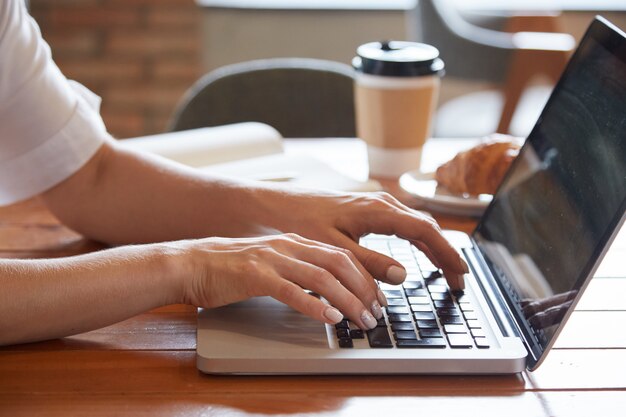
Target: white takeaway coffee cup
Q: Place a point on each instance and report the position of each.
(396, 91)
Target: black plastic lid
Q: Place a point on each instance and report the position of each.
(398, 59)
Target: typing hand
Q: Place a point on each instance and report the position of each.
(225, 271)
(341, 219)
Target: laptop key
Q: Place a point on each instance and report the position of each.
(437, 288)
(470, 315)
(481, 342)
(416, 292)
(392, 293)
(447, 312)
(454, 328)
(357, 334)
(343, 324)
(425, 333)
(428, 268)
(345, 342)
(419, 300)
(413, 285)
(387, 287)
(478, 332)
(396, 302)
(460, 341)
(343, 333)
(379, 338)
(473, 324)
(466, 307)
(397, 310)
(440, 296)
(401, 326)
(444, 304)
(404, 335)
(413, 274)
(422, 343)
(426, 324)
(424, 316)
(421, 308)
(450, 320)
(400, 317)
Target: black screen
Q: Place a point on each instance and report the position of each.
(566, 192)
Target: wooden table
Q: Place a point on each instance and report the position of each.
(146, 365)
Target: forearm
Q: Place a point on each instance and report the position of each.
(126, 197)
(51, 298)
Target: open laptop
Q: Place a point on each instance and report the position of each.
(531, 256)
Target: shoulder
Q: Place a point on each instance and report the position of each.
(45, 120)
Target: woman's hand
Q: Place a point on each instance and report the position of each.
(82, 293)
(128, 197)
(341, 219)
(225, 271)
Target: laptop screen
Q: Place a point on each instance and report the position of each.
(566, 192)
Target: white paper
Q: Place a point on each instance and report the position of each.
(297, 170)
(252, 151)
(211, 145)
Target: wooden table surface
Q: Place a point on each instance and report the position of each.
(146, 365)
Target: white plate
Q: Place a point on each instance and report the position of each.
(424, 188)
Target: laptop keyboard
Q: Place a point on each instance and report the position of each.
(422, 312)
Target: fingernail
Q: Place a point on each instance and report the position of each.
(381, 298)
(376, 310)
(464, 266)
(369, 320)
(460, 282)
(396, 274)
(333, 315)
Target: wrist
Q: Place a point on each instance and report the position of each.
(280, 210)
(172, 267)
(265, 208)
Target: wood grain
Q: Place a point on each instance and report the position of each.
(527, 404)
(234, 405)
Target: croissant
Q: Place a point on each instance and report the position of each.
(478, 170)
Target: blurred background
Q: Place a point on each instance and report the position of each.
(142, 55)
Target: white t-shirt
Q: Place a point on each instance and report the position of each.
(49, 126)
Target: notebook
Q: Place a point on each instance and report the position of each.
(531, 256)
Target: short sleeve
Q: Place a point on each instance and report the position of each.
(49, 126)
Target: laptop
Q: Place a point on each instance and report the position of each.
(531, 256)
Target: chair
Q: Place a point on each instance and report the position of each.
(511, 58)
(300, 97)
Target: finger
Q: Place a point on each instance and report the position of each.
(345, 266)
(382, 267)
(349, 246)
(321, 281)
(413, 226)
(289, 293)
(422, 247)
(429, 234)
(456, 282)
(441, 252)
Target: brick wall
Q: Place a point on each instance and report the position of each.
(138, 55)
